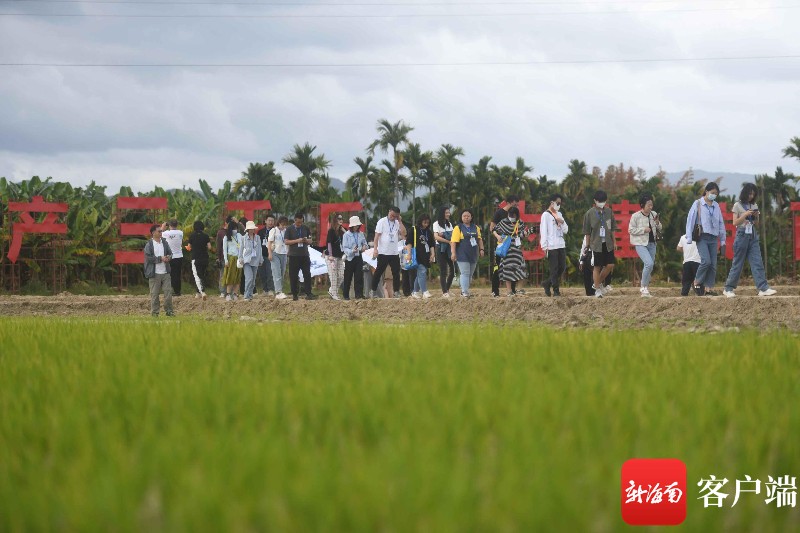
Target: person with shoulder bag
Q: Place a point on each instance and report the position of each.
(706, 226)
(645, 230)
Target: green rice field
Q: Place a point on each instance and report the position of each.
(194, 425)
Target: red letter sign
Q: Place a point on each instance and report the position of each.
(132, 257)
(622, 216)
(29, 225)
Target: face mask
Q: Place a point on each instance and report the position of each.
(601, 205)
(557, 207)
(512, 219)
(712, 196)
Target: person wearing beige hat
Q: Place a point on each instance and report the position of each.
(353, 244)
(251, 256)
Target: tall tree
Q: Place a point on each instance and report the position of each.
(578, 185)
(418, 163)
(392, 135)
(793, 150)
(310, 166)
(450, 168)
(259, 181)
(360, 183)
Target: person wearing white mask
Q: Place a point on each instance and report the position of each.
(553, 229)
(251, 257)
(706, 214)
(599, 227)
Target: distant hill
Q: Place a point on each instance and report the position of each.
(731, 181)
(338, 184)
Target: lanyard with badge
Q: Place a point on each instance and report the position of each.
(601, 217)
(711, 218)
(299, 236)
(472, 240)
(392, 229)
(424, 239)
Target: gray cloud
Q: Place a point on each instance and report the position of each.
(141, 126)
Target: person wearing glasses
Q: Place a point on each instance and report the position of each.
(334, 257)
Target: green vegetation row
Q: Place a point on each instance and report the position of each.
(133, 425)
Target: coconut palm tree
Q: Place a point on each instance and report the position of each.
(310, 166)
(392, 135)
(360, 183)
(450, 167)
(418, 162)
(578, 184)
(793, 150)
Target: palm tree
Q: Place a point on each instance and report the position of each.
(793, 150)
(360, 183)
(259, 181)
(310, 167)
(392, 135)
(418, 163)
(578, 183)
(450, 167)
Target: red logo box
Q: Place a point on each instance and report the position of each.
(653, 492)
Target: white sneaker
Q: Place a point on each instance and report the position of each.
(607, 289)
(446, 295)
(415, 295)
(768, 292)
(234, 297)
(465, 295)
(426, 294)
(228, 298)
(196, 295)
(599, 291)
(598, 294)
(729, 294)
(222, 295)
(280, 296)
(645, 293)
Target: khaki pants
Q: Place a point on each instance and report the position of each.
(158, 283)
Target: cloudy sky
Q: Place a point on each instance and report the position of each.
(549, 81)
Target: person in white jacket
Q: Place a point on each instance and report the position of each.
(645, 229)
(553, 228)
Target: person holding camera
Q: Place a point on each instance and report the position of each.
(645, 229)
(298, 238)
(745, 246)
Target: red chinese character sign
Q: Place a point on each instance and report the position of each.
(28, 224)
(136, 229)
(622, 216)
(730, 230)
(249, 208)
(325, 211)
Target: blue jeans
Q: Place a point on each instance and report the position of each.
(278, 267)
(250, 272)
(265, 273)
(746, 247)
(648, 256)
(707, 272)
(466, 270)
(421, 281)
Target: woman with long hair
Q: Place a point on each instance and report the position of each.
(443, 231)
(746, 246)
(233, 274)
(334, 256)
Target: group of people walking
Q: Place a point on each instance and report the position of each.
(246, 253)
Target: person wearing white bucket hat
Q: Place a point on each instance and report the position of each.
(251, 256)
(353, 244)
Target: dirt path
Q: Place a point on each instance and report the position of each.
(624, 308)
